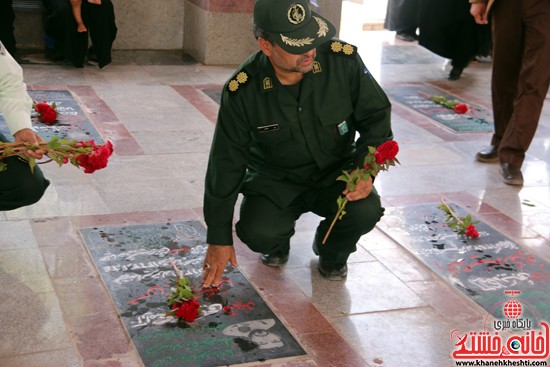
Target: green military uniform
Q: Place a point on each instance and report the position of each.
(284, 147)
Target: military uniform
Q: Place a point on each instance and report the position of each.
(18, 186)
(284, 146)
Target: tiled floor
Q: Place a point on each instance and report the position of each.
(392, 310)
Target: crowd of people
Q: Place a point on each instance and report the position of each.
(75, 31)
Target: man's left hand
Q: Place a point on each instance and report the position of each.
(363, 188)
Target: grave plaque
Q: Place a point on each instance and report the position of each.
(235, 325)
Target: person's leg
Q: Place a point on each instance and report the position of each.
(100, 20)
(18, 185)
(265, 228)
(7, 17)
(533, 83)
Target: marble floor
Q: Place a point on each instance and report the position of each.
(392, 311)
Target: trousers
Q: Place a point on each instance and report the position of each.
(18, 185)
(521, 74)
(266, 228)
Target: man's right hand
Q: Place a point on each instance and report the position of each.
(214, 264)
(478, 11)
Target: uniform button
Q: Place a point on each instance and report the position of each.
(299, 109)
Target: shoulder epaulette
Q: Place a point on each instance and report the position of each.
(238, 80)
(342, 48)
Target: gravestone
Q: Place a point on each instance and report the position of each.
(417, 97)
(481, 268)
(72, 122)
(235, 324)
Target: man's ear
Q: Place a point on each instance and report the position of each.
(265, 46)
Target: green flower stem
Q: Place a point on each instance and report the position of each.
(452, 213)
(336, 217)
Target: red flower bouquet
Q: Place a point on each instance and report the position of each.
(376, 160)
(87, 154)
(461, 225)
(46, 113)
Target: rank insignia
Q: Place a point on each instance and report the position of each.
(240, 79)
(343, 128)
(342, 47)
(317, 67)
(268, 83)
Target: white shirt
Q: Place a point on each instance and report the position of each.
(15, 102)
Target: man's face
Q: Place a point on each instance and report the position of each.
(290, 63)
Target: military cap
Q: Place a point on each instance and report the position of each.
(292, 25)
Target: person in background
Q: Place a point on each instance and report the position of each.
(286, 129)
(402, 17)
(520, 78)
(72, 23)
(7, 17)
(447, 29)
(18, 185)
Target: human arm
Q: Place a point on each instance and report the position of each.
(16, 104)
(478, 9)
(76, 7)
(363, 188)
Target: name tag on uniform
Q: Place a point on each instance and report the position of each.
(343, 128)
(267, 128)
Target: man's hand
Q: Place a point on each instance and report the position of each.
(30, 137)
(214, 264)
(478, 11)
(363, 188)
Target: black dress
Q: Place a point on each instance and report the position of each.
(449, 30)
(402, 16)
(59, 24)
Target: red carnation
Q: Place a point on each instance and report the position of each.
(46, 113)
(187, 310)
(97, 158)
(471, 231)
(461, 108)
(386, 152)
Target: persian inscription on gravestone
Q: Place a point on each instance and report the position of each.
(481, 268)
(72, 122)
(235, 325)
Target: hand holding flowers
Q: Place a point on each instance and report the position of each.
(87, 155)
(376, 160)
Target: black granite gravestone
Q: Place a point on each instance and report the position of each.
(417, 97)
(482, 268)
(235, 325)
(72, 122)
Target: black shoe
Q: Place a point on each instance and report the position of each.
(275, 259)
(488, 155)
(456, 73)
(511, 174)
(406, 37)
(330, 271)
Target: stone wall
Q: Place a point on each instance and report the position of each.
(214, 32)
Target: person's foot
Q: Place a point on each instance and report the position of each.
(407, 37)
(275, 259)
(455, 73)
(488, 155)
(511, 174)
(330, 271)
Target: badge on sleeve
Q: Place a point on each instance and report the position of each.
(343, 128)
